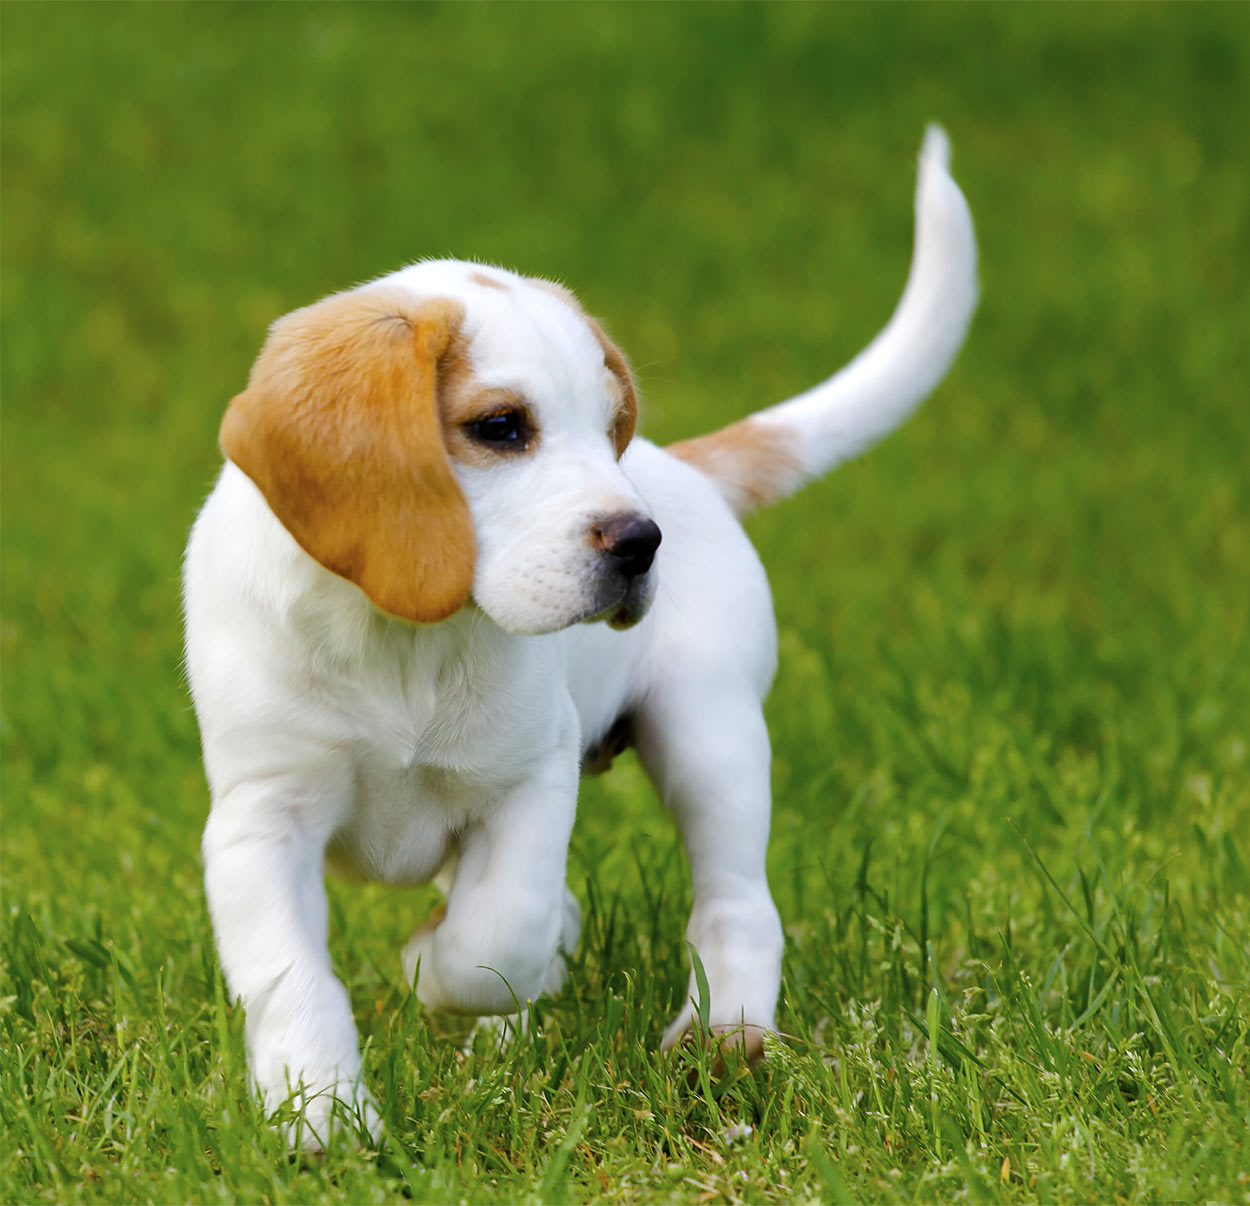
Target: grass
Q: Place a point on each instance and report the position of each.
(1012, 779)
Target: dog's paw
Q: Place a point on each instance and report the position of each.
(311, 1121)
(419, 945)
(502, 1029)
(745, 1037)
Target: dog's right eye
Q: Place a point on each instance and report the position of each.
(508, 430)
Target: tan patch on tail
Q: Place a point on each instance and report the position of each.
(752, 464)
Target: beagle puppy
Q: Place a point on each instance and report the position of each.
(439, 578)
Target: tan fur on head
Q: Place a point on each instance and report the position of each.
(627, 396)
(620, 378)
(339, 428)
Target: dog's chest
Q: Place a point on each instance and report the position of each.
(403, 824)
(442, 732)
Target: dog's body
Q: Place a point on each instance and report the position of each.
(431, 481)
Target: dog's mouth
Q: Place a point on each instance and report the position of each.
(629, 606)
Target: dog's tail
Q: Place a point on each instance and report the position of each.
(768, 456)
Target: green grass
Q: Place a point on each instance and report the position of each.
(1012, 821)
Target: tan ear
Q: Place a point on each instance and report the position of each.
(339, 429)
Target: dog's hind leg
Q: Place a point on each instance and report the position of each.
(707, 751)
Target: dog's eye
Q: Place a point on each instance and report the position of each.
(506, 430)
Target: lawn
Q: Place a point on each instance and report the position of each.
(1011, 837)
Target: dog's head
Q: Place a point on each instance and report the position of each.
(453, 432)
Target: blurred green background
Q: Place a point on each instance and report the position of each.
(1028, 606)
(730, 186)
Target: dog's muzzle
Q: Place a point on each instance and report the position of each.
(627, 543)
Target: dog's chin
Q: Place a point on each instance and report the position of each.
(619, 604)
(625, 611)
(626, 616)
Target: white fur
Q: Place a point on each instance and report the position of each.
(336, 735)
(878, 390)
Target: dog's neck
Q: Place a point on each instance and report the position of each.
(334, 625)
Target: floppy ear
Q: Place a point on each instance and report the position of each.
(339, 429)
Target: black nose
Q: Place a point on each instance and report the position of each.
(630, 540)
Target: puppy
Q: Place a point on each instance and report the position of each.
(428, 591)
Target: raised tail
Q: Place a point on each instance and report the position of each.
(768, 456)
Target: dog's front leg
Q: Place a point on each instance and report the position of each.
(709, 754)
(263, 851)
(498, 944)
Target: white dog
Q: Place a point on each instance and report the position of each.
(432, 491)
